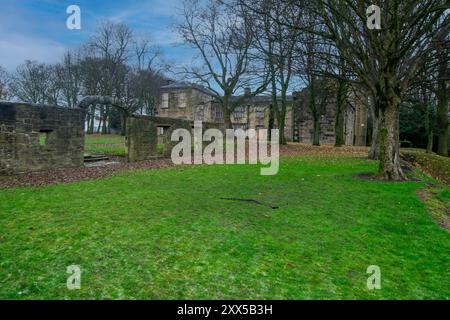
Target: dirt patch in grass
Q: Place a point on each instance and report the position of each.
(78, 174)
(438, 208)
(296, 149)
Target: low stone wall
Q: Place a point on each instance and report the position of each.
(143, 137)
(38, 137)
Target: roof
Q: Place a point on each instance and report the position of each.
(177, 85)
(187, 85)
(262, 99)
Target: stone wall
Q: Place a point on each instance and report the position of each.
(144, 133)
(355, 121)
(35, 137)
(305, 123)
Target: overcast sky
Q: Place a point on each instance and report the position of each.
(36, 29)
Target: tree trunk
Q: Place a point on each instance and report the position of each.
(339, 128)
(316, 134)
(105, 120)
(123, 128)
(428, 129)
(442, 109)
(388, 137)
(339, 123)
(102, 114)
(91, 124)
(374, 152)
(430, 142)
(271, 120)
(88, 121)
(281, 124)
(227, 118)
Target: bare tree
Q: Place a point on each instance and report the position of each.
(310, 68)
(110, 48)
(69, 78)
(385, 60)
(219, 34)
(276, 44)
(35, 83)
(147, 55)
(4, 80)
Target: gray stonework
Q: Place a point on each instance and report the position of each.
(188, 102)
(144, 133)
(35, 137)
(304, 122)
(355, 121)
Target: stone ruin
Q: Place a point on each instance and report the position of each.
(40, 137)
(145, 133)
(36, 137)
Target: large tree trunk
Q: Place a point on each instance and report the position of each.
(316, 130)
(388, 137)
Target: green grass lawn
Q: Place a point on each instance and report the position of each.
(110, 144)
(166, 234)
(93, 139)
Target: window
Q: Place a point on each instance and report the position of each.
(182, 100)
(238, 113)
(44, 136)
(218, 113)
(260, 112)
(165, 101)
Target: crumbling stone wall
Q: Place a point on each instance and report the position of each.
(36, 137)
(144, 134)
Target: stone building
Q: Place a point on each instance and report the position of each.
(181, 100)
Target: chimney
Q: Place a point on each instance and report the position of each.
(247, 91)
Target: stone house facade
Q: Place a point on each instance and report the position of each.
(180, 100)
